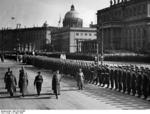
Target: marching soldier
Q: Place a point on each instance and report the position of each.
(38, 83)
(80, 79)
(56, 83)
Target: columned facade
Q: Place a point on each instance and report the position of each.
(127, 24)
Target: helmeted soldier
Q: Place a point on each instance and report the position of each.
(95, 76)
(145, 86)
(124, 81)
(111, 78)
(128, 82)
(107, 78)
(139, 84)
(56, 83)
(116, 79)
(38, 83)
(133, 83)
(120, 75)
(80, 79)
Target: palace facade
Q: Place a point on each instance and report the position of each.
(26, 39)
(125, 25)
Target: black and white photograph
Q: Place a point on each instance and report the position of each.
(74, 55)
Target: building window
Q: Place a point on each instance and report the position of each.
(90, 34)
(77, 34)
(81, 34)
(85, 34)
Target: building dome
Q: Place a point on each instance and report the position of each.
(72, 18)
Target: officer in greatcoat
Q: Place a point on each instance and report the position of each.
(7, 75)
(23, 81)
(21, 73)
(38, 83)
(56, 83)
(80, 79)
(12, 83)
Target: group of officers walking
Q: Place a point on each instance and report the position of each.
(11, 82)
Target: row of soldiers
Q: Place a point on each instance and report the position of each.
(127, 79)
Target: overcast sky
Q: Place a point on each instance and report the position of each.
(36, 12)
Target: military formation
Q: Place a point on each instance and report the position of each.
(128, 79)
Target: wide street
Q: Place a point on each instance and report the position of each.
(92, 97)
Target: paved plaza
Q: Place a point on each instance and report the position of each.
(92, 97)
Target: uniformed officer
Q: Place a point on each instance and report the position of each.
(80, 79)
(112, 78)
(124, 80)
(12, 83)
(133, 83)
(7, 75)
(38, 83)
(56, 83)
(145, 85)
(139, 83)
(116, 79)
(23, 81)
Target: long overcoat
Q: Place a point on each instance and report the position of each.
(12, 82)
(23, 83)
(80, 79)
(56, 83)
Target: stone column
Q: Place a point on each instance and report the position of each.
(111, 38)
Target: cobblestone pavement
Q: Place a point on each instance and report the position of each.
(92, 97)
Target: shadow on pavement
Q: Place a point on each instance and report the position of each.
(69, 90)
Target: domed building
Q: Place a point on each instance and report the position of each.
(72, 19)
(69, 37)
